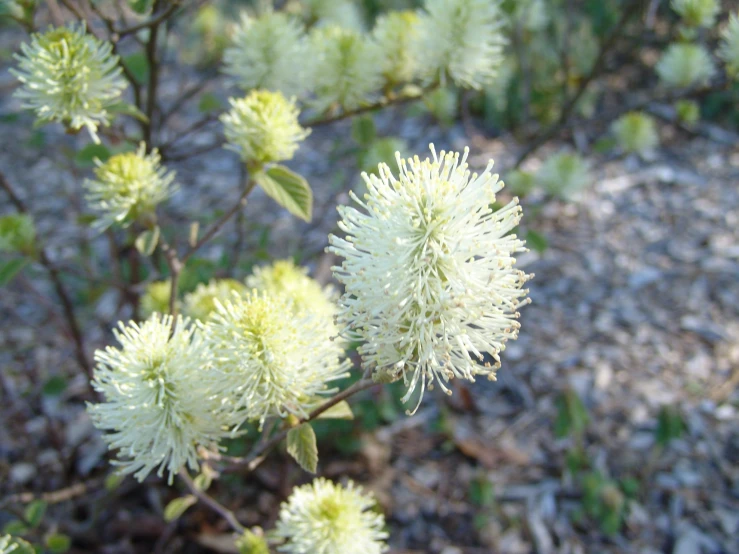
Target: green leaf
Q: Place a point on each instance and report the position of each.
(17, 233)
(147, 241)
(204, 479)
(86, 157)
(536, 241)
(138, 65)
(54, 386)
(11, 268)
(288, 189)
(572, 417)
(15, 527)
(342, 410)
(34, 512)
(113, 481)
(670, 425)
(178, 506)
(140, 6)
(251, 543)
(301, 445)
(58, 543)
(124, 108)
(363, 130)
(209, 102)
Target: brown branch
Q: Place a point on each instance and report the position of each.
(598, 66)
(212, 503)
(59, 288)
(213, 229)
(151, 91)
(152, 22)
(250, 462)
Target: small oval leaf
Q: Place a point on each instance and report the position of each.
(288, 189)
(178, 506)
(147, 241)
(301, 445)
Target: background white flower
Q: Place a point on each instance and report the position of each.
(729, 49)
(157, 406)
(326, 518)
(462, 40)
(394, 33)
(128, 187)
(347, 67)
(685, 65)
(697, 13)
(428, 269)
(69, 77)
(564, 175)
(201, 302)
(263, 127)
(271, 361)
(636, 132)
(268, 53)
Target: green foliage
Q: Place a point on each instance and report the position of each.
(604, 501)
(288, 189)
(58, 543)
(670, 425)
(252, 543)
(17, 233)
(175, 508)
(572, 417)
(301, 445)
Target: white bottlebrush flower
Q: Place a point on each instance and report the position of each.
(263, 127)
(70, 77)
(685, 65)
(325, 518)
(267, 53)
(7, 545)
(129, 187)
(156, 298)
(347, 67)
(428, 269)
(283, 277)
(462, 40)
(729, 49)
(697, 13)
(564, 175)
(201, 302)
(157, 408)
(636, 132)
(394, 33)
(271, 360)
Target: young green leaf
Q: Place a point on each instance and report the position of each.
(342, 410)
(34, 512)
(178, 506)
(147, 241)
(288, 189)
(301, 445)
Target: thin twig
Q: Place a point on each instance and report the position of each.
(212, 503)
(251, 461)
(153, 63)
(152, 22)
(213, 229)
(569, 108)
(59, 288)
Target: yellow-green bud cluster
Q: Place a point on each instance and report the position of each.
(263, 127)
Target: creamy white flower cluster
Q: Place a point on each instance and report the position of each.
(636, 132)
(428, 265)
(326, 518)
(70, 77)
(173, 386)
(729, 49)
(128, 187)
(338, 65)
